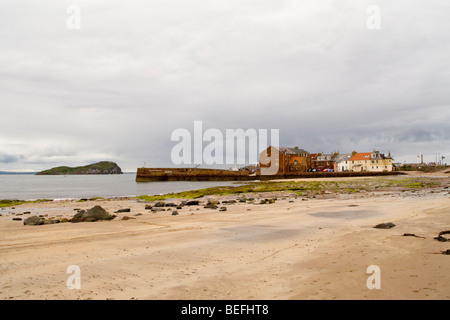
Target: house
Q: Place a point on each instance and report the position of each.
(370, 162)
(323, 161)
(342, 162)
(290, 160)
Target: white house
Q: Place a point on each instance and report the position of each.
(342, 162)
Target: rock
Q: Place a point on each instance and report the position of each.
(27, 212)
(17, 219)
(99, 213)
(64, 220)
(79, 214)
(412, 235)
(179, 207)
(174, 213)
(127, 218)
(148, 207)
(210, 206)
(223, 209)
(193, 203)
(123, 210)
(446, 252)
(265, 201)
(214, 202)
(388, 225)
(229, 202)
(160, 204)
(94, 214)
(242, 200)
(33, 221)
(441, 238)
(171, 204)
(138, 214)
(53, 221)
(158, 209)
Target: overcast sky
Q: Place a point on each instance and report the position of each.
(117, 87)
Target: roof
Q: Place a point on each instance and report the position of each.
(361, 156)
(295, 150)
(343, 157)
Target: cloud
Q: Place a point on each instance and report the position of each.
(7, 158)
(136, 71)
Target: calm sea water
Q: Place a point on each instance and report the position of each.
(31, 187)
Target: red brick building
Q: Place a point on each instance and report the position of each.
(290, 160)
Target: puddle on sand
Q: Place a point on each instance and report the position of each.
(257, 233)
(348, 214)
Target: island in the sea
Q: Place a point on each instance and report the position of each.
(103, 167)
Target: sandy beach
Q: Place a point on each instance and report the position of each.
(295, 248)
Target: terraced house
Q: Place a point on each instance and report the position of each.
(291, 160)
(342, 162)
(370, 162)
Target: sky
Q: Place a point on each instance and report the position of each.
(86, 81)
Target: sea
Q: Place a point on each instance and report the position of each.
(59, 187)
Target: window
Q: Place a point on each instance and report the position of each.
(373, 161)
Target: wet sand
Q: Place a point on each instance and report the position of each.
(292, 249)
